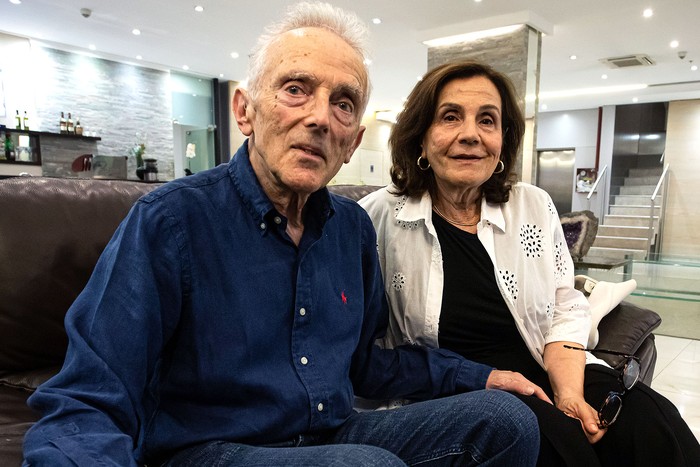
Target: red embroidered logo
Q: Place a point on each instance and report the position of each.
(343, 297)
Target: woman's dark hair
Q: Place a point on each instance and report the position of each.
(414, 121)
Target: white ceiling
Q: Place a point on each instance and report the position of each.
(173, 35)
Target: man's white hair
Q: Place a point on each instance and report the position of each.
(310, 15)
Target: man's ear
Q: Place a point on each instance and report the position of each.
(241, 102)
(358, 140)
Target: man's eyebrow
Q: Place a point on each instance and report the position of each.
(355, 93)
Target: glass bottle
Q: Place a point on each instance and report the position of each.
(71, 128)
(26, 121)
(63, 125)
(78, 127)
(18, 120)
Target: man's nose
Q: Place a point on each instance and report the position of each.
(319, 110)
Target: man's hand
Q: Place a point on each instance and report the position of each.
(515, 382)
(577, 407)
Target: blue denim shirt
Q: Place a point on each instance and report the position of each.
(203, 321)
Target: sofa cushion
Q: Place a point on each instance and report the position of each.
(51, 233)
(625, 329)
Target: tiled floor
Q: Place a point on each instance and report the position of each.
(677, 376)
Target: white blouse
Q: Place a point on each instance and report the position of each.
(526, 244)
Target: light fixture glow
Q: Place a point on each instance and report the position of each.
(139, 57)
(221, 75)
(591, 91)
(199, 8)
(572, 57)
(648, 13)
(16, 2)
(472, 36)
(92, 47)
(674, 44)
(543, 107)
(604, 76)
(694, 68)
(136, 32)
(635, 99)
(376, 21)
(185, 67)
(234, 55)
(367, 61)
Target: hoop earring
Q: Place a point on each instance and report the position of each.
(423, 167)
(503, 167)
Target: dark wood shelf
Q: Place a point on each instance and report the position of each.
(49, 133)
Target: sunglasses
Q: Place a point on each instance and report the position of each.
(629, 375)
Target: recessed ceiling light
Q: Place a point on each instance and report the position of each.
(199, 8)
(572, 57)
(477, 1)
(694, 68)
(543, 106)
(92, 47)
(674, 44)
(136, 32)
(139, 57)
(185, 67)
(221, 75)
(604, 76)
(376, 21)
(234, 55)
(635, 99)
(648, 13)
(16, 2)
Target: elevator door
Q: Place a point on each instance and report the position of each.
(555, 175)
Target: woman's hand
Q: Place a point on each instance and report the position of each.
(577, 407)
(515, 382)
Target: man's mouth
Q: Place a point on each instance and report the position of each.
(311, 150)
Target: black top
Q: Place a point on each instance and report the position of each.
(475, 321)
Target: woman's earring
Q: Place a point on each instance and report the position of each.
(503, 167)
(424, 166)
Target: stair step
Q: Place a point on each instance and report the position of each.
(628, 220)
(635, 200)
(634, 210)
(630, 243)
(648, 180)
(647, 190)
(623, 231)
(608, 252)
(645, 172)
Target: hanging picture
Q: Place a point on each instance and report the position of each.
(585, 179)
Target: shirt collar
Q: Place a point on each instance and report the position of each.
(319, 205)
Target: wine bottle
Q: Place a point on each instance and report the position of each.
(78, 127)
(71, 129)
(26, 121)
(63, 125)
(9, 148)
(18, 125)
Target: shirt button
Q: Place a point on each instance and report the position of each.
(320, 407)
(304, 360)
(302, 311)
(263, 226)
(277, 220)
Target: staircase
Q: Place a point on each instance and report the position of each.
(624, 231)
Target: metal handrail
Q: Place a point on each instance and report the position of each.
(652, 200)
(599, 178)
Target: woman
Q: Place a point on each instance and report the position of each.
(478, 264)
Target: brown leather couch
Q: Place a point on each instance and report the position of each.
(51, 233)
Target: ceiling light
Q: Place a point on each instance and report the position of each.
(635, 99)
(472, 36)
(92, 47)
(572, 57)
(604, 77)
(694, 68)
(185, 67)
(477, 1)
(674, 44)
(221, 75)
(199, 8)
(591, 91)
(376, 21)
(136, 32)
(543, 107)
(648, 13)
(16, 2)
(139, 57)
(367, 61)
(234, 55)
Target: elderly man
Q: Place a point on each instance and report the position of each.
(233, 316)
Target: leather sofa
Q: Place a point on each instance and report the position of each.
(51, 233)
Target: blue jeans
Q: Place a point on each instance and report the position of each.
(477, 428)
